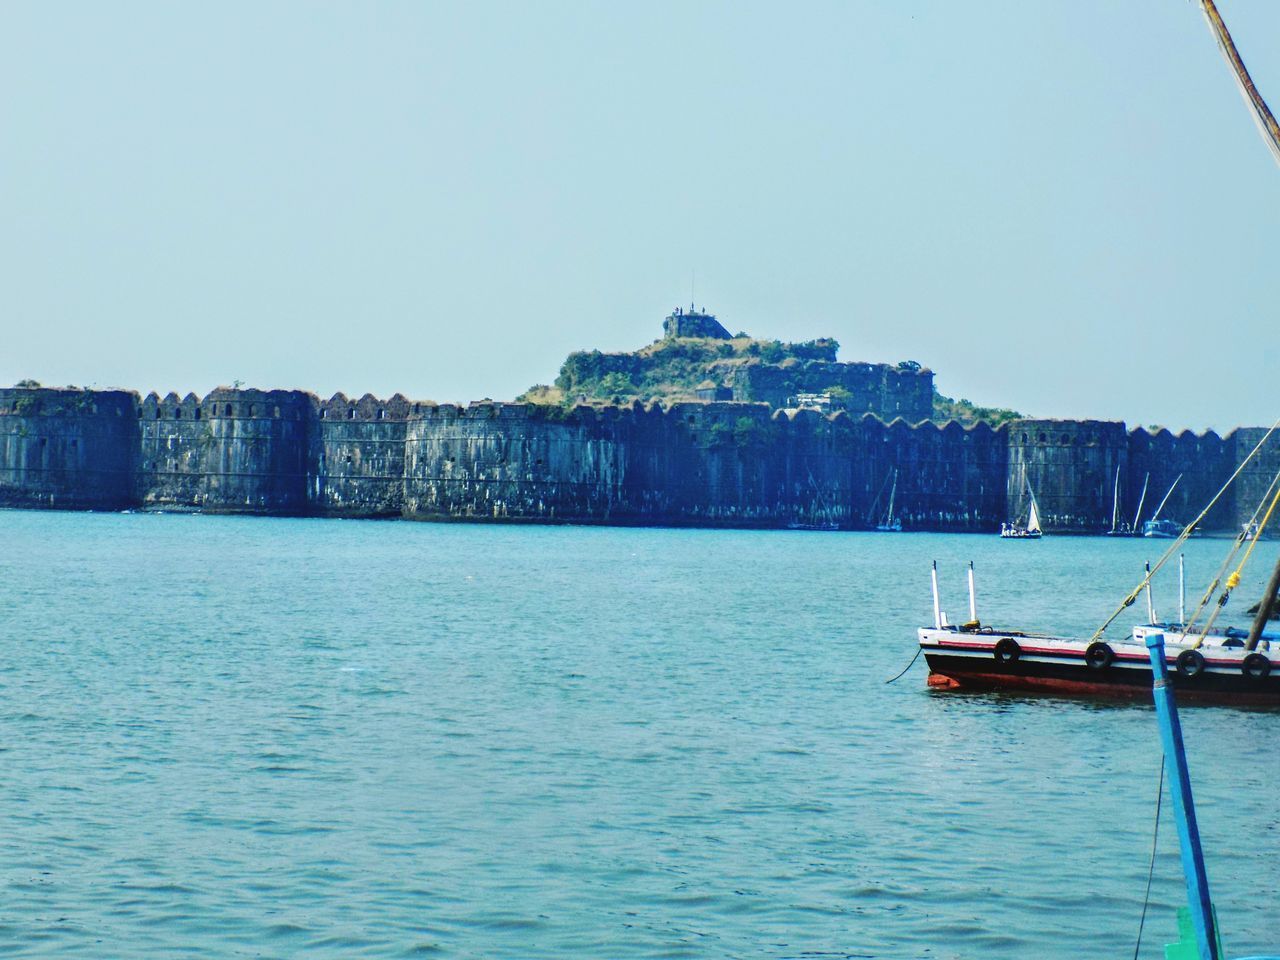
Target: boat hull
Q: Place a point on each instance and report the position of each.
(960, 660)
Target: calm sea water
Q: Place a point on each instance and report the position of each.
(226, 737)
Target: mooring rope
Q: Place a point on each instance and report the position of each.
(907, 667)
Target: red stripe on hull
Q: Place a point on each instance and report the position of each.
(1084, 688)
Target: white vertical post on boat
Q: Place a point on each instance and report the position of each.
(1151, 606)
(973, 599)
(937, 604)
(1182, 589)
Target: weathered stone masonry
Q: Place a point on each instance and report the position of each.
(702, 464)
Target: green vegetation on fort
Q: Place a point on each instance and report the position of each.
(967, 412)
(698, 360)
(670, 369)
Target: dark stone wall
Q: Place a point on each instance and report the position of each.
(67, 449)
(1252, 491)
(690, 464)
(235, 451)
(949, 477)
(1070, 467)
(704, 464)
(356, 461)
(1203, 461)
(495, 461)
(693, 324)
(877, 388)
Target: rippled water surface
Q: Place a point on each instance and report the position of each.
(231, 737)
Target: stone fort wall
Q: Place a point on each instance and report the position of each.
(700, 464)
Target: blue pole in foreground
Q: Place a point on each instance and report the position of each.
(1183, 805)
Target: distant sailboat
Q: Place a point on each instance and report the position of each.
(890, 523)
(1163, 529)
(1118, 529)
(1031, 529)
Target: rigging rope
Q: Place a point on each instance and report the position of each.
(1151, 870)
(1233, 581)
(1182, 537)
(1241, 538)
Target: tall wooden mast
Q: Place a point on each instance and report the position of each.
(1258, 108)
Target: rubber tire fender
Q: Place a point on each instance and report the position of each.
(1099, 655)
(1256, 665)
(1007, 650)
(1190, 664)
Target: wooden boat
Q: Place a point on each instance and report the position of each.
(1219, 670)
(1218, 665)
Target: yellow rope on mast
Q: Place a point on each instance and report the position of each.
(1241, 538)
(1233, 581)
(1182, 537)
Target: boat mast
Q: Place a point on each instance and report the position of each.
(1115, 502)
(1258, 109)
(973, 597)
(893, 492)
(1184, 808)
(1141, 500)
(1156, 516)
(1151, 604)
(937, 604)
(1267, 605)
(1182, 590)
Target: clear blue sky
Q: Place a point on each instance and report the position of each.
(1058, 206)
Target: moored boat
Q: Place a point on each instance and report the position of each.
(1219, 668)
(1209, 661)
(1162, 529)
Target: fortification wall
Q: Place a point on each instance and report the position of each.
(67, 449)
(706, 464)
(1252, 491)
(1070, 467)
(356, 458)
(692, 463)
(739, 464)
(507, 461)
(235, 451)
(1203, 462)
(948, 477)
(877, 388)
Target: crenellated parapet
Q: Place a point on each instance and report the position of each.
(356, 463)
(234, 451)
(739, 464)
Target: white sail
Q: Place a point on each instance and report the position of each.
(1033, 518)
